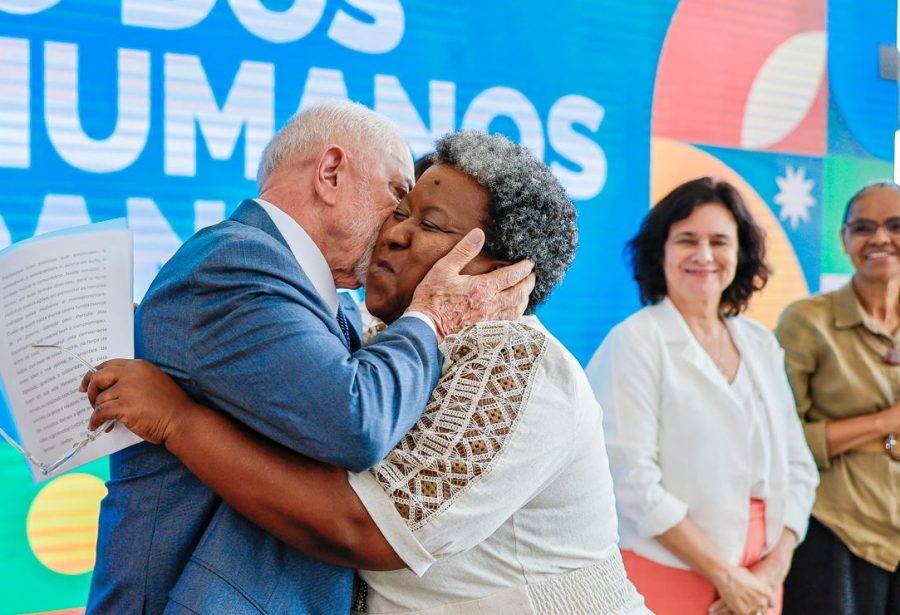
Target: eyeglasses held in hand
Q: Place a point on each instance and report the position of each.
(90, 436)
(863, 227)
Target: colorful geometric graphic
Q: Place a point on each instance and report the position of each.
(863, 103)
(741, 95)
(47, 535)
(744, 74)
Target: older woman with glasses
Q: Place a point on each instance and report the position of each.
(713, 480)
(843, 360)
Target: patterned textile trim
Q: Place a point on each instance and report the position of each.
(468, 420)
(360, 595)
(601, 588)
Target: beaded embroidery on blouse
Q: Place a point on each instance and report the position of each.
(486, 382)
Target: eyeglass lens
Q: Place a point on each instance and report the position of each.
(867, 228)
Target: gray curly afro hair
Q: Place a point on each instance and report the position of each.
(529, 213)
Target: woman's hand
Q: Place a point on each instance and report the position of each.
(743, 592)
(770, 571)
(138, 395)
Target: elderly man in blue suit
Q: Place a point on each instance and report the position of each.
(246, 317)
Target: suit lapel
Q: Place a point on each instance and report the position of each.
(249, 212)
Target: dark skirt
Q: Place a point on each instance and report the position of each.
(827, 578)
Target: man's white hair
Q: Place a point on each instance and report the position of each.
(338, 121)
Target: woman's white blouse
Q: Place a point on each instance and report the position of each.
(680, 440)
(758, 431)
(500, 498)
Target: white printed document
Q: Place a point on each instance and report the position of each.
(64, 295)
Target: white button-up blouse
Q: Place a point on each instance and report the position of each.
(679, 438)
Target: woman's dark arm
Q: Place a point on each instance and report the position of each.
(861, 432)
(307, 504)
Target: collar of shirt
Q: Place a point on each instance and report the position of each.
(849, 313)
(307, 253)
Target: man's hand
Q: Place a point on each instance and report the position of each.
(138, 395)
(453, 300)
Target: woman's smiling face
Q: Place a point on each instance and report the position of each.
(442, 207)
(870, 235)
(701, 254)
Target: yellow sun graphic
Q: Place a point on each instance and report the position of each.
(62, 523)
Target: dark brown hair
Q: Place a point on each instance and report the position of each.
(647, 248)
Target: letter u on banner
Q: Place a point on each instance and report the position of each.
(61, 110)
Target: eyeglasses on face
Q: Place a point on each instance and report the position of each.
(863, 227)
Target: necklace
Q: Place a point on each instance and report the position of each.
(891, 356)
(718, 356)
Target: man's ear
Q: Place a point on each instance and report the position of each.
(330, 174)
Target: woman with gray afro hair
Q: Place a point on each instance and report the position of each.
(499, 499)
(529, 213)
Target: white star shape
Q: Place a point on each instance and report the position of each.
(794, 195)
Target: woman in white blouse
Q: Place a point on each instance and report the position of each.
(499, 500)
(713, 479)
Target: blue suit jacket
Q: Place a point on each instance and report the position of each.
(233, 318)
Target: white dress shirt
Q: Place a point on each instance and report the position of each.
(500, 500)
(680, 441)
(307, 253)
(759, 431)
(312, 261)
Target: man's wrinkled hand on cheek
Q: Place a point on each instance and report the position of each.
(454, 300)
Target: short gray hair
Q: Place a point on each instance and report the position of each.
(333, 121)
(529, 214)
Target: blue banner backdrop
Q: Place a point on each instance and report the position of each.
(158, 110)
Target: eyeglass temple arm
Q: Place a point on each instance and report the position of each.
(19, 448)
(74, 355)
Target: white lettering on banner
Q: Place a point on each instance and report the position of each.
(26, 7)
(207, 213)
(61, 110)
(322, 84)
(154, 242)
(15, 103)
(565, 114)
(507, 102)
(189, 102)
(279, 26)
(165, 14)
(382, 35)
(392, 101)
(191, 109)
(62, 211)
